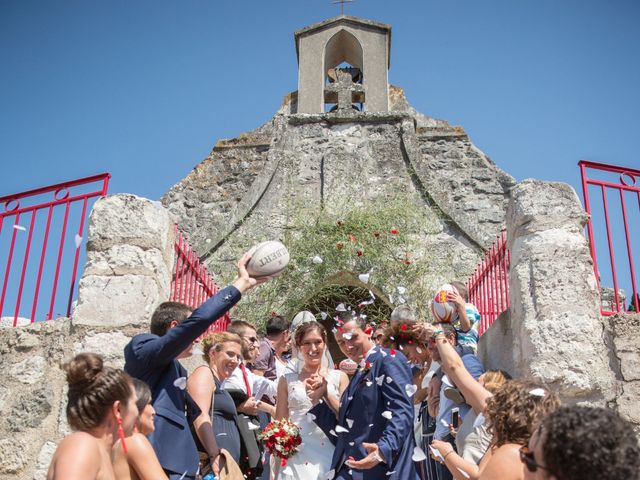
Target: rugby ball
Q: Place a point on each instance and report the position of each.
(267, 259)
(443, 311)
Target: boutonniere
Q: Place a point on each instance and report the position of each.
(364, 370)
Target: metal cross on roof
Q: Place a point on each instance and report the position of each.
(342, 2)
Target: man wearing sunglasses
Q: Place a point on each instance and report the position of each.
(582, 443)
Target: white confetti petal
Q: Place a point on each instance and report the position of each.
(369, 383)
(341, 308)
(20, 227)
(370, 425)
(323, 315)
(333, 433)
(379, 380)
(330, 474)
(401, 290)
(411, 389)
(253, 426)
(364, 277)
(418, 455)
(341, 429)
(444, 422)
(418, 349)
(435, 451)
(222, 434)
(390, 473)
(350, 422)
(310, 417)
(389, 379)
(181, 383)
(78, 239)
(463, 473)
(387, 414)
(538, 392)
(401, 300)
(347, 335)
(208, 240)
(351, 444)
(317, 260)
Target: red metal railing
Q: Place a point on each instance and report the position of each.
(488, 285)
(618, 225)
(61, 214)
(192, 284)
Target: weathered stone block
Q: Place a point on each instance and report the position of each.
(30, 410)
(128, 219)
(117, 301)
(30, 370)
(109, 345)
(13, 458)
(44, 459)
(558, 336)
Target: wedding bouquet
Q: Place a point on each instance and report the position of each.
(281, 439)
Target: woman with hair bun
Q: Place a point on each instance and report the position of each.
(140, 462)
(101, 407)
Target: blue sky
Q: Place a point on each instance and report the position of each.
(143, 89)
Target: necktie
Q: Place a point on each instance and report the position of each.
(246, 379)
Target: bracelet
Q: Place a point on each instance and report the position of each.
(447, 454)
(436, 333)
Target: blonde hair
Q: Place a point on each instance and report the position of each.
(494, 379)
(215, 340)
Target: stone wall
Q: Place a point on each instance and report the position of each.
(553, 331)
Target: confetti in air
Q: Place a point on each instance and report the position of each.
(537, 392)
(323, 315)
(379, 380)
(350, 422)
(341, 429)
(19, 227)
(387, 414)
(181, 383)
(317, 260)
(364, 277)
(341, 308)
(401, 290)
(411, 389)
(78, 240)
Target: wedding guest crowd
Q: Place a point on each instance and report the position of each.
(404, 374)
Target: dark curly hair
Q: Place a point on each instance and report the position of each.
(514, 412)
(587, 443)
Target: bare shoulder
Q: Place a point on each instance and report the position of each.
(77, 457)
(504, 464)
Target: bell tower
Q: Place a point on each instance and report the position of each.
(343, 64)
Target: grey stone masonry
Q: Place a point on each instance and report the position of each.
(555, 333)
(129, 262)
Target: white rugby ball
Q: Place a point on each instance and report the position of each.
(267, 259)
(443, 311)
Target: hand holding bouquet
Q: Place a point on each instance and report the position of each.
(281, 438)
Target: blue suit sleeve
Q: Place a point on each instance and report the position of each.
(158, 351)
(399, 404)
(326, 420)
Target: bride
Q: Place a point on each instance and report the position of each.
(296, 397)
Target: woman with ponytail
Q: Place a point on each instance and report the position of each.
(101, 408)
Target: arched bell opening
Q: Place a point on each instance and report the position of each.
(343, 73)
(345, 288)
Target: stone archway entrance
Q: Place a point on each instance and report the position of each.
(345, 288)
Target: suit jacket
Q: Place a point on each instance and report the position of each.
(153, 359)
(371, 392)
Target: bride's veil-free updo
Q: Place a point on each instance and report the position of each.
(296, 362)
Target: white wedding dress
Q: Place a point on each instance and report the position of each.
(313, 459)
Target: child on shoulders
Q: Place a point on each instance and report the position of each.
(468, 317)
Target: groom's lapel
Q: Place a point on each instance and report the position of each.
(354, 384)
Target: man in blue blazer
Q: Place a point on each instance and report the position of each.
(373, 430)
(153, 358)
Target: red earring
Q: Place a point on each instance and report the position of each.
(121, 434)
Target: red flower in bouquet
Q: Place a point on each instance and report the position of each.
(281, 438)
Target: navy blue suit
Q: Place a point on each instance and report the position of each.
(368, 395)
(153, 359)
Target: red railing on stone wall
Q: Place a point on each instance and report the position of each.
(50, 231)
(614, 221)
(192, 284)
(488, 285)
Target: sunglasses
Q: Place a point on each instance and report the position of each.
(526, 457)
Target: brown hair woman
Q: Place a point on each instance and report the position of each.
(101, 408)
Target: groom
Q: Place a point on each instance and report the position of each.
(373, 431)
